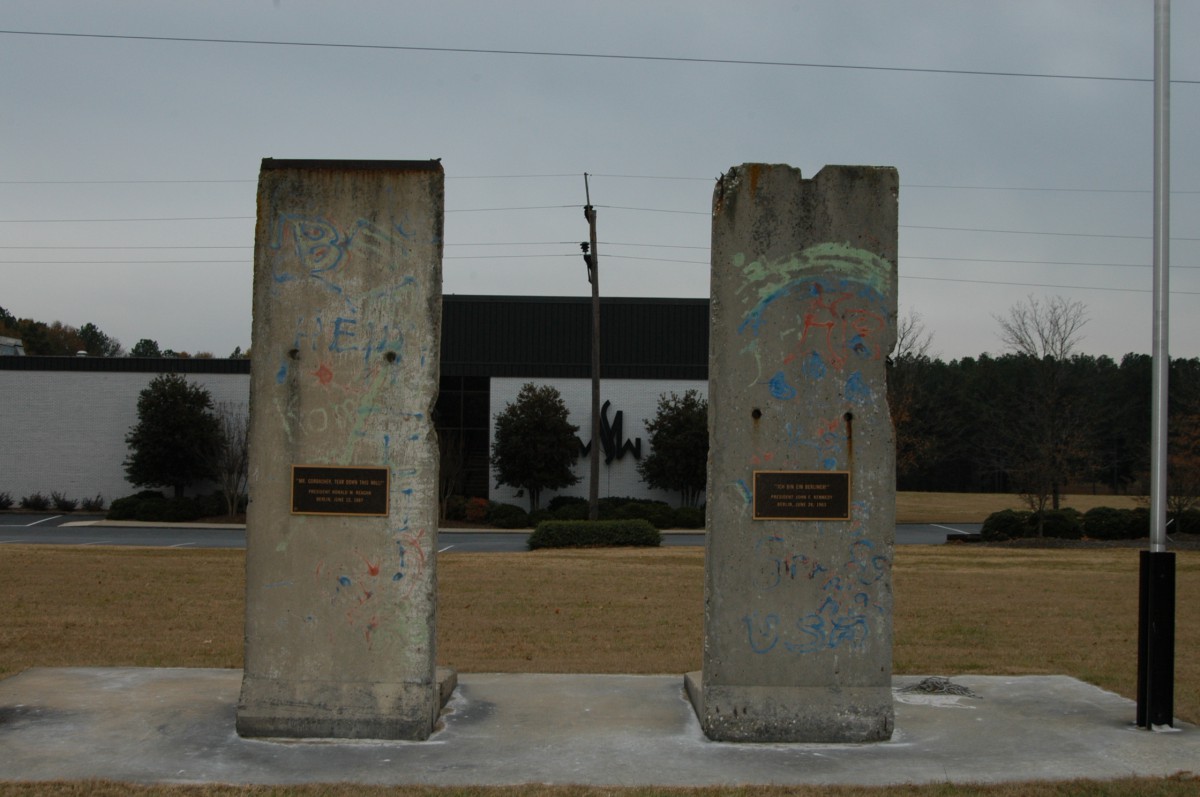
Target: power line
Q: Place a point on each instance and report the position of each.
(1043, 285)
(526, 207)
(126, 247)
(1037, 262)
(1037, 232)
(117, 182)
(903, 186)
(108, 221)
(658, 210)
(110, 262)
(659, 259)
(604, 56)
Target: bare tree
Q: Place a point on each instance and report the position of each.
(231, 466)
(1041, 330)
(1051, 420)
(913, 338)
(451, 466)
(908, 400)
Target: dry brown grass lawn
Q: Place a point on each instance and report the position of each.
(630, 610)
(67, 606)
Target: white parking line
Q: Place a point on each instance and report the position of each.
(183, 545)
(27, 525)
(443, 550)
(949, 528)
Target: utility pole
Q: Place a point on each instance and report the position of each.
(592, 258)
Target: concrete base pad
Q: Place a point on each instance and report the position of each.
(177, 725)
(742, 713)
(274, 708)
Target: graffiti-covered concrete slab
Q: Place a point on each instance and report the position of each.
(341, 526)
(801, 490)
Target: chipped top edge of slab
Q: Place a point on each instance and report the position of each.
(355, 165)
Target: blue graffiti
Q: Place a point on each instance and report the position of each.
(829, 628)
(762, 636)
(857, 390)
(813, 366)
(846, 605)
(318, 246)
(780, 388)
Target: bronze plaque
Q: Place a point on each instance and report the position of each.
(801, 495)
(337, 490)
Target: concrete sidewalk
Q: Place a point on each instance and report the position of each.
(177, 725)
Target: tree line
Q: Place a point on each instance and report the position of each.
(1040, 418)
(57, 339)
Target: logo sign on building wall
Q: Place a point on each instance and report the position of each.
(610, 438)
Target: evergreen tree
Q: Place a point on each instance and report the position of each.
(175, 440)
(145, 348)
(98, 344)
(535, 443)
(678, 458)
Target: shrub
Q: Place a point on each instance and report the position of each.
(93, 504)
(150, 506)
(211, 505)
(1187, 522)
(182, 510)
(477, 510)
(123, 508)
(594, 534)
(507, 516)
(688, 517)
(1061, 523)
(36, 501)
(608, 508)
(62, 503)
(456, 507)
(561, 501)
(541, 515)
(1007, 524)
(1137, 523)
(657, 512)
(150, 509)
(1105, 523)
(6, 500)
(570, 511)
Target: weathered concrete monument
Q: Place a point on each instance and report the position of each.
(801, 479)
(341, 528)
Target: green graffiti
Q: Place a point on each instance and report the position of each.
(847, 262)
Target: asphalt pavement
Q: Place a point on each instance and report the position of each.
(76, 529)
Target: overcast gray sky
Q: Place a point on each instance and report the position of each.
(129, 166)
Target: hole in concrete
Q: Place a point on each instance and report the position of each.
(293, 353)
(756, 414)
(390, 356)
